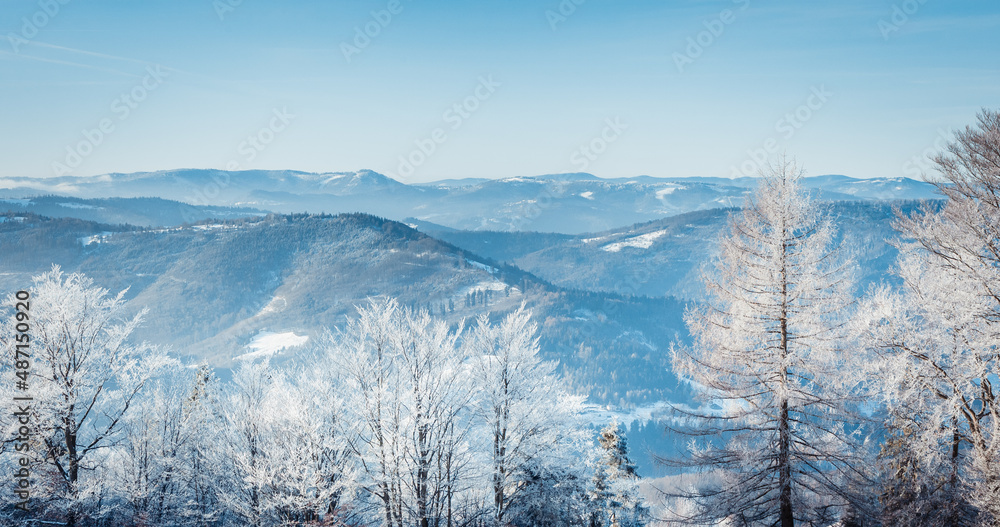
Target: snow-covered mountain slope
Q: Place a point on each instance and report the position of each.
(143, 212)
(666, 257)
(564, 203)
(220, 290)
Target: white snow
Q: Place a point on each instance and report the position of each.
(267, 343)
(21, 202)
(77, 206)
(591, 240)
(495, 285)
(212, 226)
(482, 266)
(97, 238)
(667, 191)
(276, 304)
(643, 241)
(587, 195)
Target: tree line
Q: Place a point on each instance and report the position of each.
(397, 419)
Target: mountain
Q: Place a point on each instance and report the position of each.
(219, 290)
(144, 212)
(562, 203)
(665, 257)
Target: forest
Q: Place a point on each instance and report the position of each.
(822, 403)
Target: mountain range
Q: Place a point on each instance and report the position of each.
(242, 265)
(561, 203)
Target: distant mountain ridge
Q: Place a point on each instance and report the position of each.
(562, 203)
(666, 256)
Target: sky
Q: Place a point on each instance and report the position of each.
(423, 90)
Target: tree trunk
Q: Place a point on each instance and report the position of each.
(74, 468)
(785, 515)
(784, 470)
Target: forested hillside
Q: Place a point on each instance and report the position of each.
(220, 289)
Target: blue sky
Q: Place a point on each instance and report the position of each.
(862, 88)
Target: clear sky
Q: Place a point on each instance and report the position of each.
(862, 88)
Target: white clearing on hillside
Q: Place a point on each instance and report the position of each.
(278, 303)
(266, 344)
(643, 241)
(97, 238)
(666, 191)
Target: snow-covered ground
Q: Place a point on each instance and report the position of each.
(643, 241)
(97, 238)
(266, 344)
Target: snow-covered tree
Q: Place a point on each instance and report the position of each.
(407, 416)
(148, 464)
(768, 352)
(202, 459)
(934, 352)
(616, 483)
(287, 457)
(87, 376)
(247, 421)
(526, 417)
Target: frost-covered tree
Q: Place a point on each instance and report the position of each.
(934, 352)
(87, 377)
(148, 464)
(247, 422)
(202, 460)
(407, 413)
(282, 442)
(768, 352)
(526, 418)
(616, 483)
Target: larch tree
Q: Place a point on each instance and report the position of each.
(767, 349)
(934, 345)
